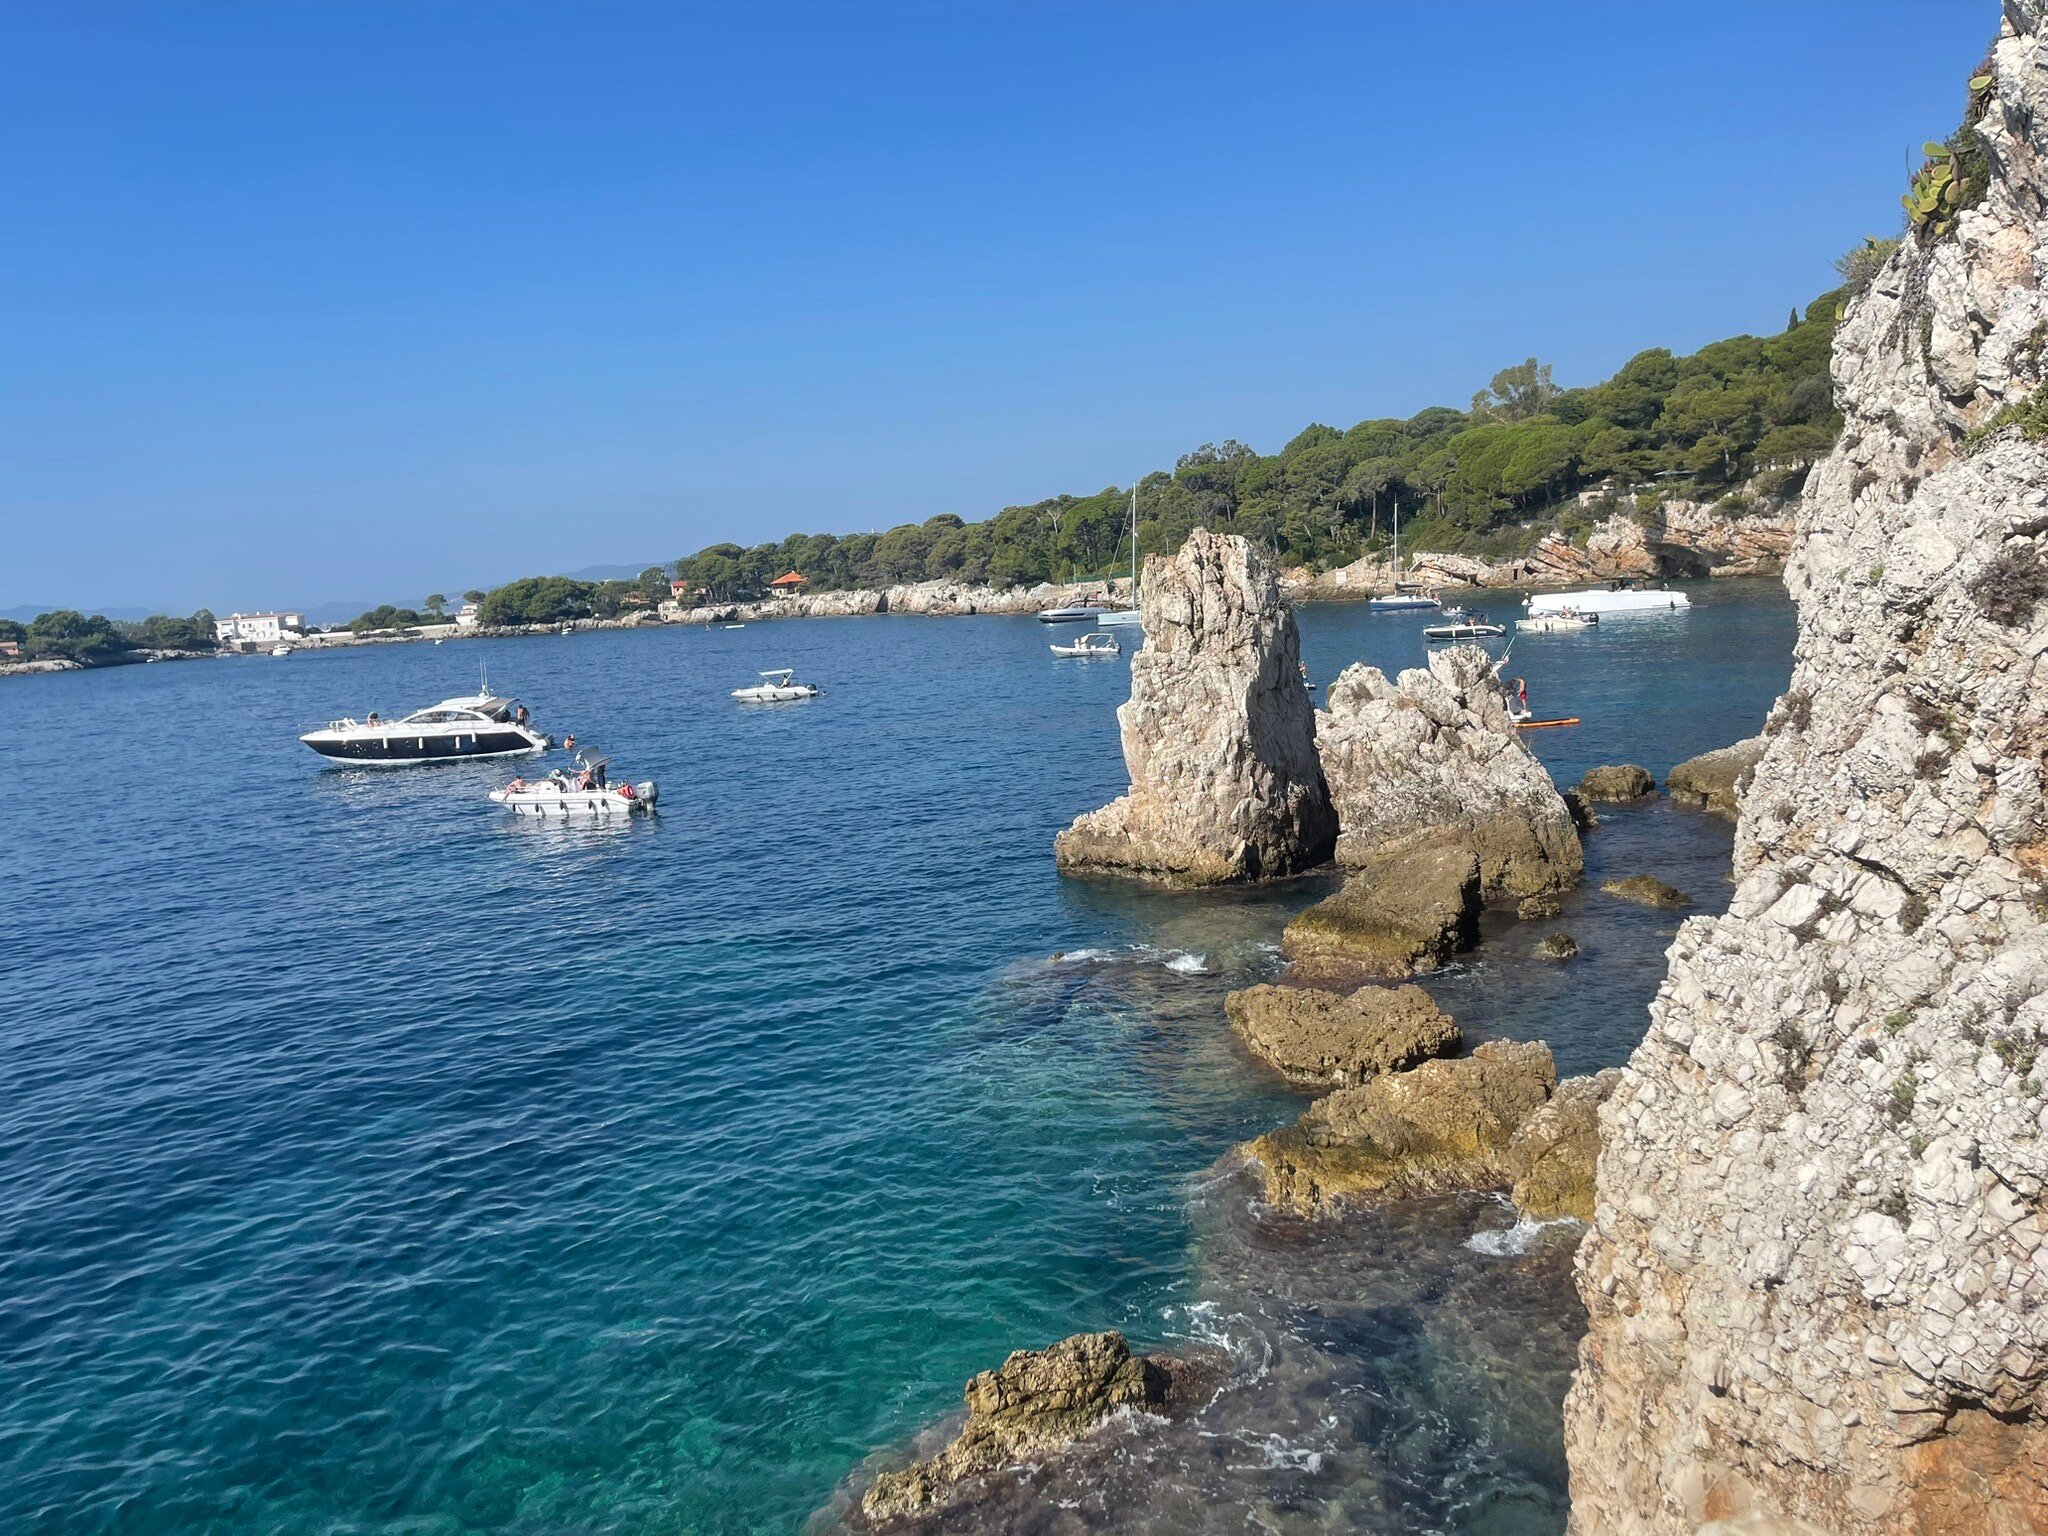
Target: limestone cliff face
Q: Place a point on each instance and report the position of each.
(1818, 1278)
(1682, 538)
(1219, 734)
(1432, 756)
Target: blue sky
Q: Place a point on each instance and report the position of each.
(302, 302)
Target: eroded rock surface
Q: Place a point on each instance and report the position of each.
(1818, 1282)
(1312, 1036)
(1554, 1151)
(1444, 1125)
(1616, 781)
(1218, 735)
(1714, 779)
(1035, 1401)
(1396, 916)
(1432, 756)
(1647, 891)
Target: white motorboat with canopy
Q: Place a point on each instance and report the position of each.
(777, 687)
(1563, 621)
(1467, 626)
(587, 792)
(478, 725)
(1094, 643)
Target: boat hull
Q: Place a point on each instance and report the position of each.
(543, 802)
(1118, 618)
(1403, 605)
(389, 749)
(1069, 615)
(773, 695)
(1656, 601)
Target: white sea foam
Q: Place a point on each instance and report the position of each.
(1505, 1242)
(1186, 964)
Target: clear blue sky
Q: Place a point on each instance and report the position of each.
(302, 302)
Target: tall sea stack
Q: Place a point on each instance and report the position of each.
(1818, 1277)
(1219, 734)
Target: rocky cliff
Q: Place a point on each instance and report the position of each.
(1218, 735)
(932, 599)
(1681, 538)
(1818, 1279)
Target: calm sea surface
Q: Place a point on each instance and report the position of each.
(373, 1162)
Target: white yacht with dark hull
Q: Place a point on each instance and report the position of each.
(480, 725)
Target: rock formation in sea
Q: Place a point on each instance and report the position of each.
(1218, 735)
(1818, 1280)
(1647, 891)
(1312, 1036)
(1398, 915)
(1432, 757)
(1713, 779)
(1034, 1402)
(1617, 782)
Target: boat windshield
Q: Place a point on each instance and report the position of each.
(444, 717)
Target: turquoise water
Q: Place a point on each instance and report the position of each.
(373, 1162)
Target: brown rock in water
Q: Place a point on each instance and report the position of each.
(1535, 908)
(1558, 946)
(1713, 779)
(1432, 757)
(1312, 1036)
(1647, 891)
(1555, 1150)
(1623, 781)
(1445, 1125)
(1035, 1401)
(1816, 1293)
(1218, 734)
(1394, 917)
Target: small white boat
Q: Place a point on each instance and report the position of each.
(777, 687)
(1403, 602)
(732, 626)
(587, 793)
(1625, 596)
(281, 650)
(1094, 643)
(1118, 617)
(1475, 626)
(1561, 622)
(1070, 615)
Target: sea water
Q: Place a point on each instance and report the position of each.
(374, 1161)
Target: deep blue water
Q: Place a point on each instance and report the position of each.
(373, 1162)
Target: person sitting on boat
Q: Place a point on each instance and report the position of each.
(517, 784)
(374, 719)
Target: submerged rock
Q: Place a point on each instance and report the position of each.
(1444, 1125)
(1035, 1401)
(1432, 757)
(1713, 779)
(1394, 917)
(1312, 1036)
(1817, 1288)
(1616, 781)
(1218, 735)
(1647, 891)
(1535, 908)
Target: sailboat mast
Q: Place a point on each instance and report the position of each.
(1134, 543)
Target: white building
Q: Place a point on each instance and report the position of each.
(465, 616)
(258, 628)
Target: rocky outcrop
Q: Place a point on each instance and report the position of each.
(1218, 735)
(1311, 1036)
(1714, 780)
(1818, 1282)
(1444, 1125)
(1034, 1402)
(1647, 891)
(1616, 782)
(1557, 946)
(1680, 538)
(1396, 916)
(1432, 757)
(935, 599)
(1555, 1150)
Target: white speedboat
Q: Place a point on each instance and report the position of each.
(480, 725)
(1475, 626)
(1563, 621)
(777, 687)
(281, 650)
(1094, 643)
(588, 792)
(1617, 597)
(1079, 614)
